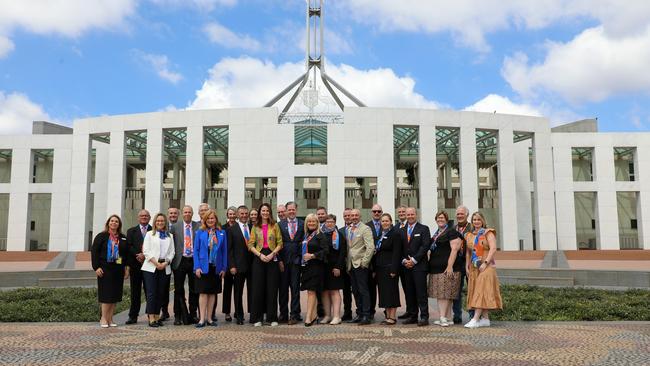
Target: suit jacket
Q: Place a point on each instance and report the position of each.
(389, 253)
(319, 247)
(99, 250)
(178, 232)
(238, 255)
(361, 247)
(202, 251)
(134, 240)
(291, 248)
(375, 235)
(337, 258)
(418, 246)
(151, 249)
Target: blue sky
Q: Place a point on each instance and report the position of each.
(566, 60)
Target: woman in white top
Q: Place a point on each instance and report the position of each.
(158, 250)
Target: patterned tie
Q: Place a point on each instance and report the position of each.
(143, 230)
(247, 235)
(188, 240)
(292, 229)
(409, 231)
(377, 228)
(351, 232)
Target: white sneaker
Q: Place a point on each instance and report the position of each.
(472, 324)
(274, 324)
(335, 321)
(258, 324)
(444, 322)
(484, 322)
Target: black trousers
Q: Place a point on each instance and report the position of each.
(228, 282)
(359, 278)
(372, 289)
(238, 284)
(164, 301)
(416, 293)
(155, 283)
(266, 278)
(185, 269)
(347, 294)
(136, 281)
(290, 281)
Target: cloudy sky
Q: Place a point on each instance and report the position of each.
(566, 60)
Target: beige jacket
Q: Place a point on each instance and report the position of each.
(361, 247)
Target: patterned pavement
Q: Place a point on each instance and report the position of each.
(505, 343)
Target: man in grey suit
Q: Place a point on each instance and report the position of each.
(183, 265)
(361, 248)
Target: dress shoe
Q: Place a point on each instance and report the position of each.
(282, 319)
(346, 317)
(112, 325)
(160, 322)
(154, 324)
(177, 322)
(199, 325)
(404, 316)
(410, 321)
(214, 318)
(458, 321)
(240, 321)
(292, 322)
(423, 322)
(194, 320)
(228, 318)
(131, 321)
(164, 316)
(355, 320)
(325, 319)
(365, 321)
(309, 324)
(335, 321)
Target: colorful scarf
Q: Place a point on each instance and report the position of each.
(113, 249)
(435, 237)
(304, 247)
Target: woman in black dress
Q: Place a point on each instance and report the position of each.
(387, 261)
(445, 266)
(334, 269)
(314, 253)
(107, 255)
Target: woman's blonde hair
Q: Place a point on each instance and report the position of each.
(206, 216)
(481, 217)
(154, 229)
(309, 217)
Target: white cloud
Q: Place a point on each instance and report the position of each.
(219, 34)
(17, 113)
(207, 5)
(6, 46)
(250, 82)
(499, 104)
(160, 65)
(469, 21)
(591, 67)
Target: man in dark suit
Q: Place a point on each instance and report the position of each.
(183, 266)
(239, 260)
(416, 238)
(135, 258)
(293, 232)
(228, 279)
(375, 225)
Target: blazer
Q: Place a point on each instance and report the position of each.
(238, 255)
(202, 251)
(178, 232)
(319, 247)
(361, 247)
(375, 235)
(99, 250)
(390, 253)
(291, 248)
(337, 258)
(151, 249)
(134, 240)
(418, 246)
(274, 238)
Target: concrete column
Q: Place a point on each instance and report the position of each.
(18, 221)
(544, 159)
(385, 191)
(428, 174)
(607, 207)
(642, 166)
(194, 186)
(60, 205)
(176, 178)
(507, 190)
(101, 186)
(79, 189)
(336, 197)
(236, 188)
(153, 180)
(523, 188)
(116, 174)
(468, 169)
(285, 189)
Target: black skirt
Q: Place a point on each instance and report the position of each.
(312, 276)
(209, 283)
(332, 282)
(111, 284)
(388, 288)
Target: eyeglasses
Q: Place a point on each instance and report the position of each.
(377, 211)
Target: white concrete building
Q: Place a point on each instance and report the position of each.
(564, 188)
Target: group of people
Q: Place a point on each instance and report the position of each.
(274, 260)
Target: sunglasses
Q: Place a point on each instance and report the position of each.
(377, 211)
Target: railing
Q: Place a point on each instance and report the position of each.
(628, 242)
(266, 193)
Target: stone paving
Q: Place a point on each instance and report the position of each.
(505, 343)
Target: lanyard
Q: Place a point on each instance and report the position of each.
(304, 247)
(436, 236)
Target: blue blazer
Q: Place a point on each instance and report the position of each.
(291, 251)
(201, 251)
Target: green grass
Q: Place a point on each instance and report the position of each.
(530, 303)
(54, 305)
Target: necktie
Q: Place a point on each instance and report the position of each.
(188, 240)
(292, 229)
(247, 235)
(377, 228)
(143, 230)
(409, 231)
(401, 225)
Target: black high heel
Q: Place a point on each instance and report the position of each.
(311, 323)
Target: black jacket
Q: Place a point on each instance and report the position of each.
(389, 253)
(418, 246)
(99, 249)
(134, 241)
(238, 255)
(291, 248)
(337, 258)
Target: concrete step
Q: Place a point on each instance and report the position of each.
(537, 281)
(68, 282)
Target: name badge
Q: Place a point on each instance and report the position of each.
(385, 237)
(416, 235)
(119, 260)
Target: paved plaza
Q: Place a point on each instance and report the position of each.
(506, 343)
